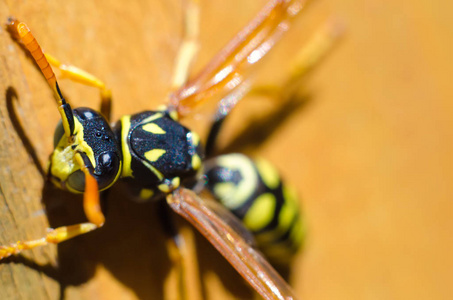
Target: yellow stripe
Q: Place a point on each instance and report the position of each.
(223, 190)
(65, 121)
(164, 188)
(174, 115)
(156, 172)
(230, 195)
(127, 159)
(146, 194)
(288, 213)
(116, 177)
(152, 118)
(268, 173)
(176, 182)
(153, 128)
(155, 154)
(80, 142)
(195, 138)
(196, 162)
(261, 213)
(298, 233)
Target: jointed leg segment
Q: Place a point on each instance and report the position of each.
(53, 236)
(78, 75)
(189, 46)
(91, 204)
(23, 35)
(310, 55)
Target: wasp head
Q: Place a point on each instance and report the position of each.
(95, 140)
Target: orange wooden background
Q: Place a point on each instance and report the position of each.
(368, 148)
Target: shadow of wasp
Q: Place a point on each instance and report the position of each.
(158, 158)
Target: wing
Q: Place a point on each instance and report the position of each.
(246, 260)
(227, 70)
(231, 220)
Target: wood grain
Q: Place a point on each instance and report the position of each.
(368, 149)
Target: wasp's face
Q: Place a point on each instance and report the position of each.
(94, 139)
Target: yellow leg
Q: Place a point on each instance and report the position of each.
(306, 59)
(316, 49)
(189, 46)
(78, 75)
(53, 236)
(176, 250)
(183, 281)
(181, 250)
(93, 213)
(91, 201)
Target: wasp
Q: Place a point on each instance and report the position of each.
(162, 160)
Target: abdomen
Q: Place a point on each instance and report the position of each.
(253, 191)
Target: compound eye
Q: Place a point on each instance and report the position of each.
(76, 181)
(108, 165)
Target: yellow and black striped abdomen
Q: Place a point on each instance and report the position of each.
(253, 191)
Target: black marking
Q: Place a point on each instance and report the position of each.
(175, 162)
(220, 174)
(217, 173)
(286, 236)
(100, 137)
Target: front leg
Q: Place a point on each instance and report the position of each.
(81, 76)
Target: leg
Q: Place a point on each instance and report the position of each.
(318, 46)
(226, 72)
(53, 236)
(180, 247)
(22, 34)
(93, 213)
(78, 75)
(306, 59)
(189, 46)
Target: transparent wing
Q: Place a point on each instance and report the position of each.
(246, 260)
(226, 216)
(228, 69)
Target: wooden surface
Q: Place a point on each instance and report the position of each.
(368, 149)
